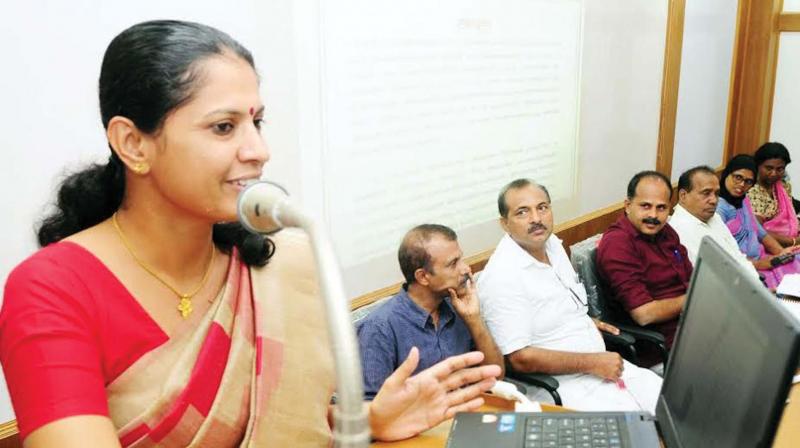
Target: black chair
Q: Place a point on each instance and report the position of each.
(362, 312)
(621, 343)
(541, 380)
(583, 256)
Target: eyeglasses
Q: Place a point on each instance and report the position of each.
(739, 179)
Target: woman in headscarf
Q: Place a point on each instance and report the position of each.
(737, 212)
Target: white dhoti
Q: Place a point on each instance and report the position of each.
(589, 393)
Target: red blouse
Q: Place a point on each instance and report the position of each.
(68, 328)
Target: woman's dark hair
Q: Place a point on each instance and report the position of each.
(148, 70)
(772, 150)
(739, 162)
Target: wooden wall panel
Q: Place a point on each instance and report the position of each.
(753, 81)
(9, 437)
(789, 22)
(669, 86)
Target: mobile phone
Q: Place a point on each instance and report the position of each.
(781, 259)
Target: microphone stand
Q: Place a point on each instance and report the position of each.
(351, 427)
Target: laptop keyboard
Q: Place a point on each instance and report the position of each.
(572, 432)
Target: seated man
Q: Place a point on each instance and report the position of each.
(642, 260)
(536, 308)
(695, 215)
(437, 310)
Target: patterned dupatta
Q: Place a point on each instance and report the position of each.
(785, 220)
(744, 228)
(256, 372)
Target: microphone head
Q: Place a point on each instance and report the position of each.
(259, 206)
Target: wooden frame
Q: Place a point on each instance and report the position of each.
(669, 86)
(755, 68)
(9, 435)
(753, 78)
(789, 22)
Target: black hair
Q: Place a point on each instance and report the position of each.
(771, 150)
(413, 254)
(685, 181)
(739, 162)
(502, 205)
(649, 174)
(148, 70)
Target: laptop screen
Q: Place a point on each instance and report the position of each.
(731, 366)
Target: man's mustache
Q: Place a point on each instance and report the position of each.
(652, 221)
(536, 226)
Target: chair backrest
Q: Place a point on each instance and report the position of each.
(582, 256)
(360, 313)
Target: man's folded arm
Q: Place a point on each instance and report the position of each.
(533, 359)
(658, 311)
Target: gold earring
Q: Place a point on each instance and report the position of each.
(141, 168)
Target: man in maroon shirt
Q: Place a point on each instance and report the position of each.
(641, 257)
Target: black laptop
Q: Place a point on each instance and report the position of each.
(730, 370)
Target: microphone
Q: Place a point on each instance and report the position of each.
(264, 207)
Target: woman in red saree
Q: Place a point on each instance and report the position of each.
(151, 318)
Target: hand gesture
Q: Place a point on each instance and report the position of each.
(406, 406)
(467, 306)
(763, 263)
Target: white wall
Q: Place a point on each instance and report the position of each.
(620, 69)
(706, 58)
(623, 60)
(51, 118)
(791, 5)
(6, 412)
(786, 102)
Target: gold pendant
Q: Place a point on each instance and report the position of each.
(185, 307)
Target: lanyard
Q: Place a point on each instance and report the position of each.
(573, 295)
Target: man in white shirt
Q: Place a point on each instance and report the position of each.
(535, 307)
(695, 215)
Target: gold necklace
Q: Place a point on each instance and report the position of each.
(185, 304)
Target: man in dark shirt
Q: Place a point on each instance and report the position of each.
(641, 257)
(437, 311)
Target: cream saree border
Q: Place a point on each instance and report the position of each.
(256, 372)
